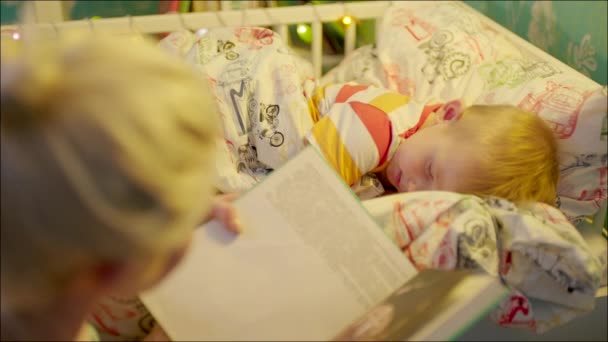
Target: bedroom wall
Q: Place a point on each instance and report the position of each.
(572, 31)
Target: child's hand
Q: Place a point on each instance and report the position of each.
(223, 211)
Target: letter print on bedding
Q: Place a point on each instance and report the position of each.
(237, 84)
(573, 162)
(596, 195)
(553, 219)
(206, 49)
(238, 89)
(446, 255)
(283, 77)
(499, 203)
(254, 37)
(146, 323)
(515, 311)
(403, 85)
(514, 72)
(124, 317)
(248, 160)
(227, 49)
(559, 105)
(411, 218)
(442, 60)
(418, 28)
(476, 248)
(268, 125)
(437, 245)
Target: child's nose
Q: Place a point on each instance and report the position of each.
(411, 186)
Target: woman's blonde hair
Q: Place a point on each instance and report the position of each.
(516, 154)
(107, 152)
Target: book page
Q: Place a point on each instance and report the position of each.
(435, 305)
(465, 304)
(310, 260)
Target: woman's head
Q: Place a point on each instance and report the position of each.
(107, 149)
(484, 150)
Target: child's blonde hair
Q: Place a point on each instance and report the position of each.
(517, 153)
(107, 149)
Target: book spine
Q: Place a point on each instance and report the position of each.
(226, 5)
(173, 6)
(199, 6)
(184, 6)
(213, 5)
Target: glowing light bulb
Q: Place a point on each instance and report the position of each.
(347, 20)
(16, 36)
(305, 33)
(302, 29)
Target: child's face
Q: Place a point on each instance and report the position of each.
(431, 160)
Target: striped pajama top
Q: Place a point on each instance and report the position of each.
(358, 127)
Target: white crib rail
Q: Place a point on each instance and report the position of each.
(277, 17)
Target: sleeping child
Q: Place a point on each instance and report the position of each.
(482, 150)
(374, 138)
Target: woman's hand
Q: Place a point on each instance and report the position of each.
(223, 211)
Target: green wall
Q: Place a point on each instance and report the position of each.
(572, 31)
(86, 9)
(8, 12)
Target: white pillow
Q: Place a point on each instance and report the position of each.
(257, 82)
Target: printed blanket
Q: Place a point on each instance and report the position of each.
(263, 92)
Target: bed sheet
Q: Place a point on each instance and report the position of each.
(257, 82)
(551, 271)
(260, 85)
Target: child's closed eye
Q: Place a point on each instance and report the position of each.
(429, 170)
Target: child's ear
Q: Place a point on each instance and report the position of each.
(451, 111)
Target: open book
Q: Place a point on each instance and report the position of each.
(310, 264)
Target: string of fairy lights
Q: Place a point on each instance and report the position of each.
(305, 31)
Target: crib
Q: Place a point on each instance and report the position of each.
(45, 16)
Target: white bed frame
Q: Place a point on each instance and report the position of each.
(49, 17)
